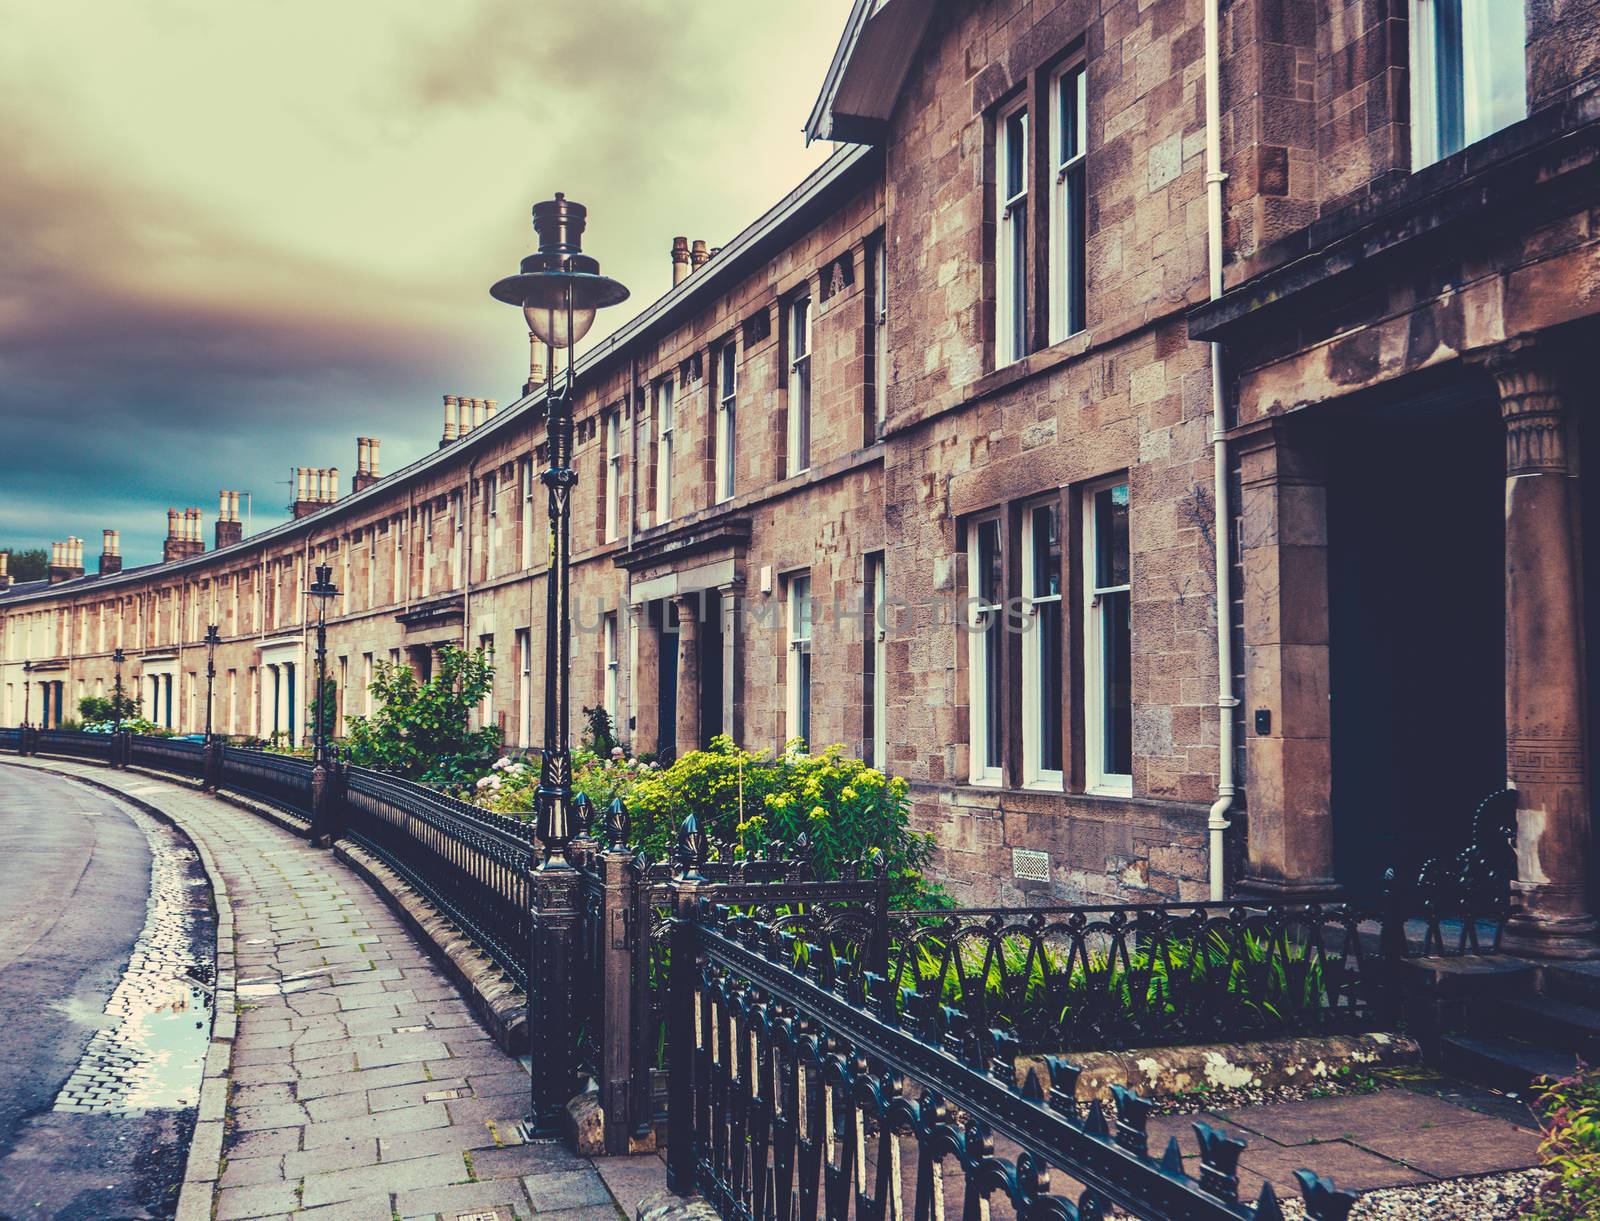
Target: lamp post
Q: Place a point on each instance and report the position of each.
(27, 695)
(322, 589)
(213, 754)
(212, 639)
(558, 289)
(117, 658)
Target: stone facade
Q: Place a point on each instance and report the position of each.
(1349, 279)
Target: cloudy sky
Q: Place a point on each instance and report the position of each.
(233, 237)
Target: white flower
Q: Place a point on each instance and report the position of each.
(483, 783)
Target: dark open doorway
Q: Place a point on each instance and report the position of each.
(1416, 576)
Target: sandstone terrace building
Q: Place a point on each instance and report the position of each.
(969, 361)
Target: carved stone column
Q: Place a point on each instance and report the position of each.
(1545, 756)
(689, 611)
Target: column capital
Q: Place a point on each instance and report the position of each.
(1531, 406)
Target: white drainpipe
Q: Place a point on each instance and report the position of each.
(1217, 823)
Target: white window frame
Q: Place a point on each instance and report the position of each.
(1034, 774)
(613, 435)
(876, 573)
(525, 686)
(798, 321)
(1011, 220)
(880, 333)
(727, 419)
(1070, 96)
(427, 549)
(525, 546)
(980, 769)
(608, 657)
(458, 549)
(1111, 784)
(366, 684)
(491, 527)
(486, 704)
(798, 627)
(1479, 41)
(666, 426)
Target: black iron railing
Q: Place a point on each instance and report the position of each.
(794, 1097)
(472, 864)
(1065, 978)
(281, 781)
(11, 739)
(73, 744)
(168, 755)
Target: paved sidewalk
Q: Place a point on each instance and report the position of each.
(361, 1087)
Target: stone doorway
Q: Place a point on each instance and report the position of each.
(1416, 593)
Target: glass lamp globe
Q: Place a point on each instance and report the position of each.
(559, 288)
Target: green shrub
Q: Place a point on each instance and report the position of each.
(421, 729)
(746, 801)
(98, 708)
(1571, 1148)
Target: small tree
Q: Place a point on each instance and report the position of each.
(421, 729)
(31, 564)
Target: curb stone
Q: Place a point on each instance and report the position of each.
(497, 1001)
(203, 1165)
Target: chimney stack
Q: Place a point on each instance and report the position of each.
(183, 535)
(698, 255)
(540, 358)
(110, 552)
(451, 427)
(66, 560)
(366, 464)
(230, 529)
(315, 486)
(5, 571)
(489, 406)
(680, 260)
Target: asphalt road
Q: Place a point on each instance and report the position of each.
(75, 875)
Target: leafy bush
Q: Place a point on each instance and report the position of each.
(1571, 1148)
(746, 802)
(845, 809)
(421, 729)
(98, 708)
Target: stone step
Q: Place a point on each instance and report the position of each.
(1572, 981)
(1551, 1023)
(1502, 1063)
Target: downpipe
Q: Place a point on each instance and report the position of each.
(1217, 822)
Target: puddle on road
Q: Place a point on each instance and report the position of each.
(149, 1051)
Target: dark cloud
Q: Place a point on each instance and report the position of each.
(159, 340)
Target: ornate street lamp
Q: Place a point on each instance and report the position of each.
(117, 658)
(212, 639)
(558, 290)
(27, 695)
(322, 589)
(322, 832)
